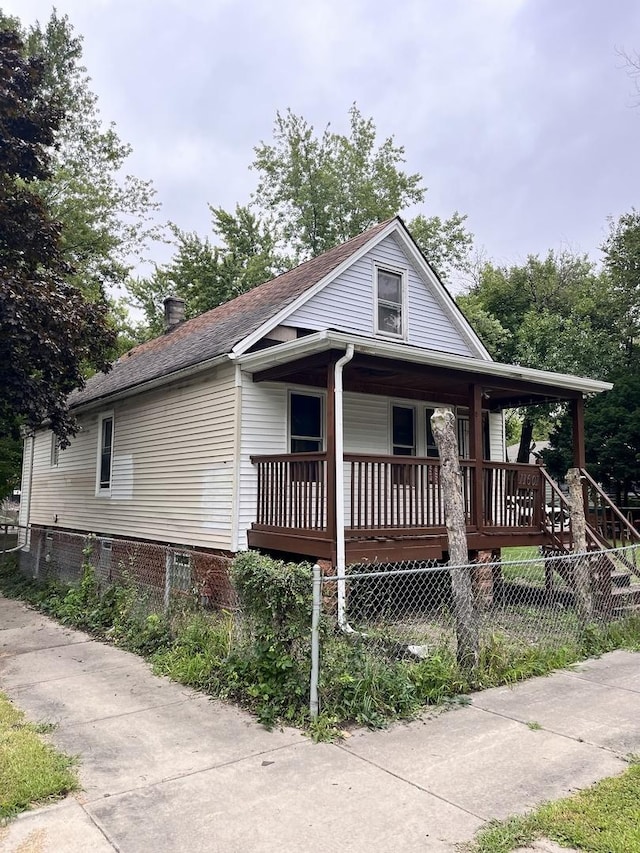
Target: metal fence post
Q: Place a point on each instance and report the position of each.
(168, 565)
(315, 642)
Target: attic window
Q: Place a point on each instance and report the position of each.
(390, 302)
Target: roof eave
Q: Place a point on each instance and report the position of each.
(310, 344)
(149, 385)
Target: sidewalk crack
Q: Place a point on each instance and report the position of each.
(409, 782)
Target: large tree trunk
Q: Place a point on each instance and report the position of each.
(581, 568)
(526, 440)
(443, 423)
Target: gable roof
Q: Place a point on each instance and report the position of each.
(216, 332)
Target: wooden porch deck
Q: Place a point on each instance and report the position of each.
(393, 507)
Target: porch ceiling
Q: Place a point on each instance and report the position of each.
(370, 374)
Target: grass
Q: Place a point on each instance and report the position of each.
(31, 771)
(601, 819)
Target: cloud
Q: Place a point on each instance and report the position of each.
(515, 111)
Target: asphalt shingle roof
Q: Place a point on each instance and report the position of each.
(216, 332)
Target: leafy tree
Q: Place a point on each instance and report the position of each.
(622, 264)
(48, 329)
(446, 244)
(612, 430)
(206, 275)
(493, 334)
(313, 193)
(10, 462)
(612, 418)
(558, 314)
(105, 214)
(320, 190)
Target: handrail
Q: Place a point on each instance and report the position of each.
(595, 540)
(315, 456)
(564, 506)
(619, 515)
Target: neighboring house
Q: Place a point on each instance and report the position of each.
(295, 418)
(534, 454)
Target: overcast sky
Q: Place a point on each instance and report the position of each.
(518, 113)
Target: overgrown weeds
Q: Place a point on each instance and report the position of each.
(260, 656)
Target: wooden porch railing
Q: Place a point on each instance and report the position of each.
(292, 491)
(393, 493)
(614, 528)
(513, 495)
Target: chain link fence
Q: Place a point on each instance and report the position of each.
(162, 575)
(521, 599)
(372, 622)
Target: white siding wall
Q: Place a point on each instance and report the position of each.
(24, 537)
(172, 472)
(263, 431)
(347, 304)
(496, 436)
(366, 430)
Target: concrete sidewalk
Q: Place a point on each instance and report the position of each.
(166, 769)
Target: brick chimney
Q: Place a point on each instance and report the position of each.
(173, 312)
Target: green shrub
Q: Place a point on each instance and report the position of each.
(272, 671)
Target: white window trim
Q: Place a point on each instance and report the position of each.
(104, 492)
(405, 404)
(55, 450)
(420, 433)
(305, 392)
(403, 273)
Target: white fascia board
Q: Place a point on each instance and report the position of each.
(282, 353)
(446, 300)
(242, 346)
(320, 341)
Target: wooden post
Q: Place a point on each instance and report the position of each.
(581, 573)
(476, 451)
(443, 423)
(577, 417)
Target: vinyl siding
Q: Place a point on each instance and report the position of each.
(24, 537)
(172, 468)
(263, 431)
(347, 304)
(366, 430)
(496, 437)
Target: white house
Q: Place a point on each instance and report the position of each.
(295, 418)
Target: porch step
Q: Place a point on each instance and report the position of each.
(620, 578)
(625, 600)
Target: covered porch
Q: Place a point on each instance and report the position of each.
(388, 507)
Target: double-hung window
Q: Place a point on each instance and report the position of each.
(105, 454)
(390, 302)
(403, 430)
(403, 425)
(305, 423)
(305, 434)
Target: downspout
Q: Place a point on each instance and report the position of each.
(339, 481)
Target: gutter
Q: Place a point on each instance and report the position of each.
(339, 481)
